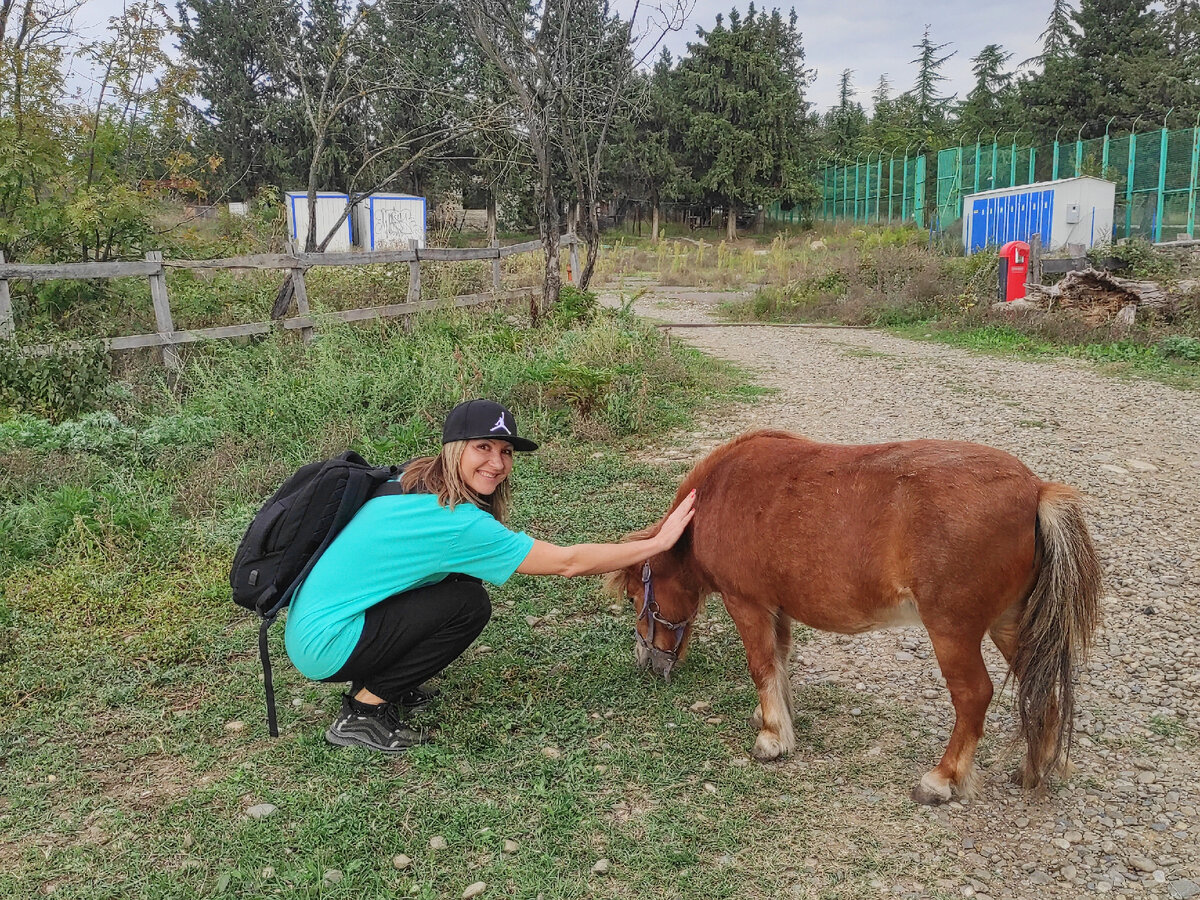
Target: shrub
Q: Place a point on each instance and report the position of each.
(574, 306)
(1181, 347)
(60, 384)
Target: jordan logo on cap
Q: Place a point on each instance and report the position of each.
(500, 425)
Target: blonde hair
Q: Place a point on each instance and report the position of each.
(440, 475)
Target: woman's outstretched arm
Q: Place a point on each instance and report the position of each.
(594, 559)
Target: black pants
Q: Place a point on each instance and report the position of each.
(412, 636)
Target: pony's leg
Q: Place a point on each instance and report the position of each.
(1004, 632)
(971, 689)
(783, 656)
(759, 631)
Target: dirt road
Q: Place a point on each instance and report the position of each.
(1125, 824)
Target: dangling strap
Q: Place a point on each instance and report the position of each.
(268, 687)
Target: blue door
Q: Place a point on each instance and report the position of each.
(1023, 217)
(978, 225)
(1047, 216)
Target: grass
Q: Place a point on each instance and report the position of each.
(133, 742)
(1122, 357)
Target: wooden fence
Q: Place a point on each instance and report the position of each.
(154, 268)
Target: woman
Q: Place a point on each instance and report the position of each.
(398, 595)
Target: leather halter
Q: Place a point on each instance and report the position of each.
(653, 618)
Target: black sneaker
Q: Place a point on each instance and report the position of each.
(418, 697)
(381, 729)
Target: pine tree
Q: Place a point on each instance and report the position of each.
(846, 122)
(1060, 31)
(250, 122)
(1117, 55)
(930, 106)
(743, 89)
(648, 148)
(886, 127)
(1179, 22)
(989, 105)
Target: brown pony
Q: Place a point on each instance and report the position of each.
(960, 538)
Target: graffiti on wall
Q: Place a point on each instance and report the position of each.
(395, 226)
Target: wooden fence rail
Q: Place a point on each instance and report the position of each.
(166, 336)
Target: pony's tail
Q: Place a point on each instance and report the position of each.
(1056, 630)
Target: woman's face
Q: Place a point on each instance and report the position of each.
(485, 464)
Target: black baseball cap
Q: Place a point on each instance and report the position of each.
(475, 419)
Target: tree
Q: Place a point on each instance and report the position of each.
(597, 74)
(747, 130)
(930, 107)
(846, 122)
(526, 46)
(32, 120)
(990, 104)
(249, 121)
(648, 147)
(377, 92)
(1059, 33)
(1179, 24)
(1121, 66)
(568, 65)
(886, 127)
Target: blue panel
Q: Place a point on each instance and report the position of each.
(1023, 216)
(978, 225)
(991, 220)
(1011, 209)
(1002, 221)
(1047, 216)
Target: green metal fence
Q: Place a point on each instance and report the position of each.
(1156, 174)
(884, 187)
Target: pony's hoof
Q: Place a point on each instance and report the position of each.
(930, 791)
(767, 747)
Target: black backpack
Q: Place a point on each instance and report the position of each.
(291, 531)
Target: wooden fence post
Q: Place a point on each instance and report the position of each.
(495, 267)
(162, 309)
(574, 258)
(414, 274)
(1035, 260)
(7, 323)
(300, 289)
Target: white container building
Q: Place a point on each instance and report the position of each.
(390, 221)
(1066, 211)
(329, 209)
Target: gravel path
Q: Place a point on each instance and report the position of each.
(1126, 822)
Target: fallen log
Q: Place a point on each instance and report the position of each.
(1098, 297)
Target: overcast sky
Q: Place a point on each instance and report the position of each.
(872, 37)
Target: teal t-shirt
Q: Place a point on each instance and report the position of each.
(392, 544)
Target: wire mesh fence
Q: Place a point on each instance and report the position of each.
(1156, 174)
(889, 188)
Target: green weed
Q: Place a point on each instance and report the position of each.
(58, 384)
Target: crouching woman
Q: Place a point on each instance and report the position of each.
(399, 593)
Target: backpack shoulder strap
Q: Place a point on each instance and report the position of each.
(394, 488)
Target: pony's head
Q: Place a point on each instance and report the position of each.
(665, 606)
